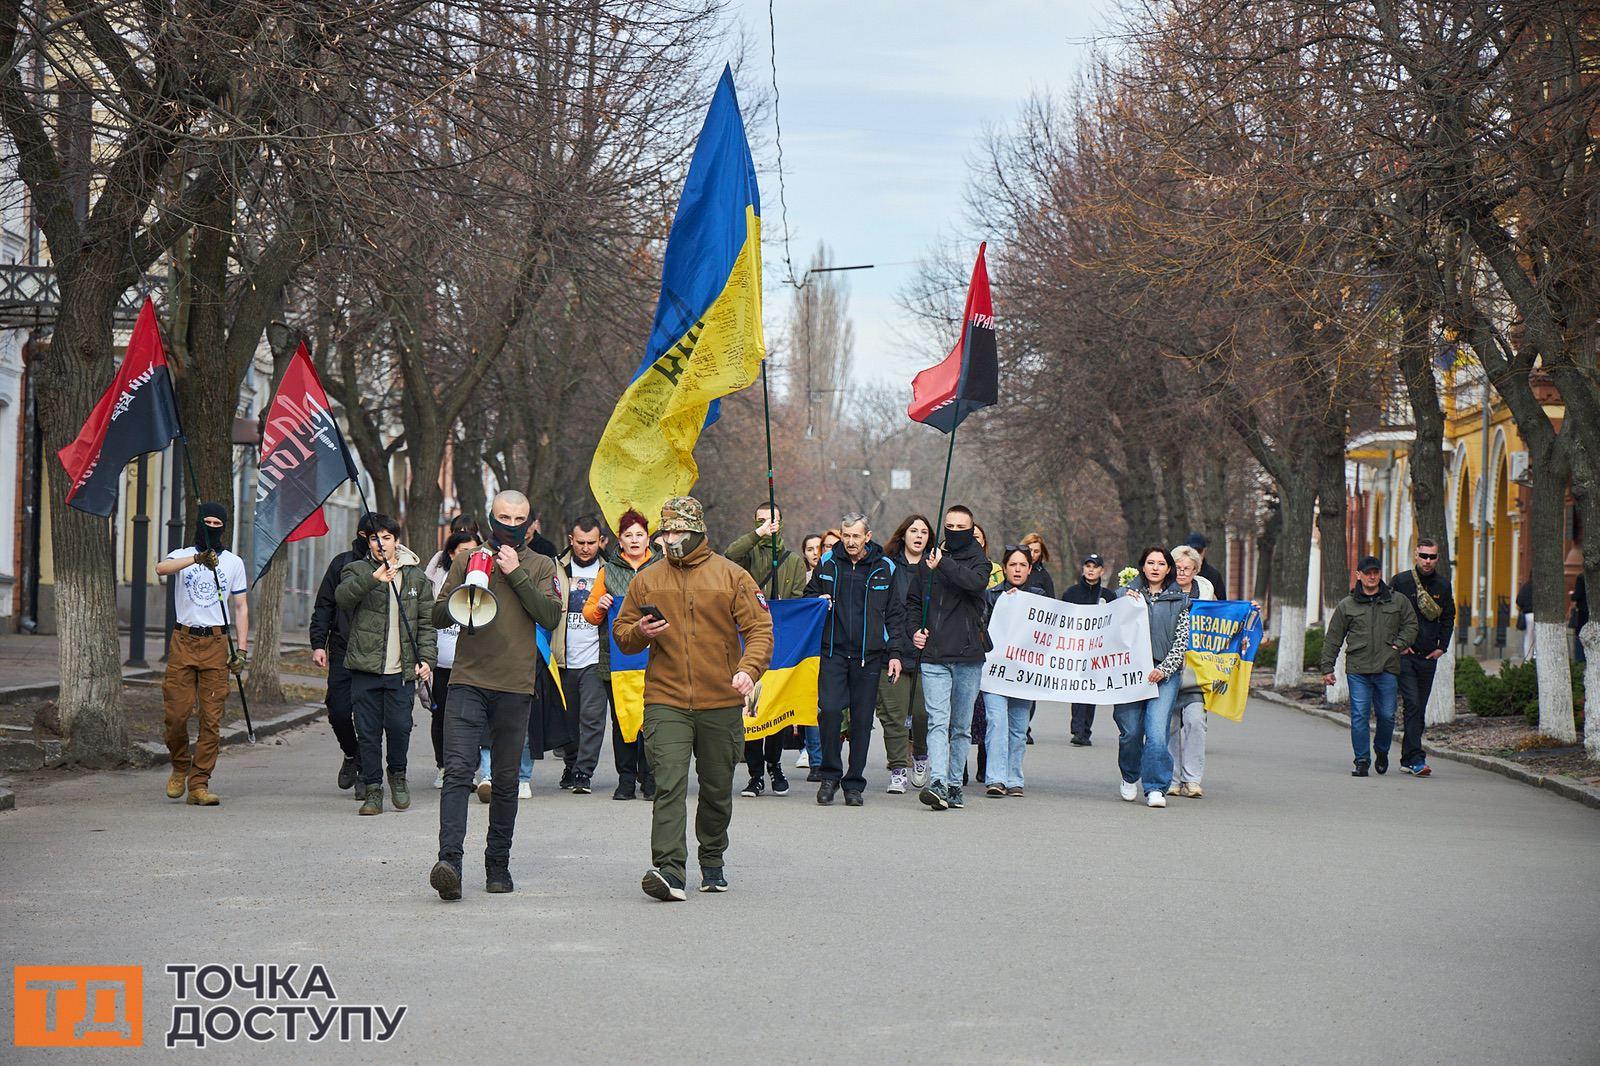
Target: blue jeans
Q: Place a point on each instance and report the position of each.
(1368, 693)
(1142, 752)
(524, 771)
(1006, 737)
(950, 690)
(812, 736)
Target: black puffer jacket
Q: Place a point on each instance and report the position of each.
(866, 619)
(1081, 592)
(957, 608)
(906, 576)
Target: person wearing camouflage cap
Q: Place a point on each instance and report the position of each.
(695, 688)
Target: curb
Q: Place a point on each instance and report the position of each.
(52, 689)
(236, 734)
(1561, 786)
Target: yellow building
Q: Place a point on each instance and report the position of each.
(1489, 546)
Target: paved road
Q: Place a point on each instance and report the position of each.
(1293, 915)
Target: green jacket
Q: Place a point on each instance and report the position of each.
(755, 555)
(1373, 629)
(368, 599)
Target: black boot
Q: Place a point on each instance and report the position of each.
(348, 772)
(647, 787)
(626, 790)
(825, 792)
(497, 878)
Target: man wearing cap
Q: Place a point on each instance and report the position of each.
(1198, 542)
(695, 687)
(200, 657)
(1373, 624)
(1087, 591)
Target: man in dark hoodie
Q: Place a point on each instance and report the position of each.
(1429, 593)
(1087, 591)
(330, 636)
(862, 640)
(952, 645)
(757, 552)
(1377, 624)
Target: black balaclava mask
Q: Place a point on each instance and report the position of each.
(515, 535)
(958, 539)
(208, 538)
(362, 545)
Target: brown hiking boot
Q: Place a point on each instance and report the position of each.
(175, 786)
(202, 796)
(373, 803)
(398, 791)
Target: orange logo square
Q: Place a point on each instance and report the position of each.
(78, 1006)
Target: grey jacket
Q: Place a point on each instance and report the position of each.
(1169, 625)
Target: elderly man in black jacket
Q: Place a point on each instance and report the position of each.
(330, 634)
(952, 646)
(1430, 595)
(1087, 591)
(863, 636)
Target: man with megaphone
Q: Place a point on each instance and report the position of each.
(498, 595)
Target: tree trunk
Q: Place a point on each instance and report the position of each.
(467, 469)
(424, 498)
(1175, 505)
(265, 683)
(1140, 501)
(1333, 539)
(1292, 559)
(71, 372)
(1589, 635)
(1550, 469)
(208, 389)
(1426, 467)
(1214, 515)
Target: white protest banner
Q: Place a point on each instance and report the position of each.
(1045, 649)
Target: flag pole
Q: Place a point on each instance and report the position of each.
(772, 496)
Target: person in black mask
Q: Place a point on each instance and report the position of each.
(1087, 591)
(330, 633)
(952, 646)
(202, 654)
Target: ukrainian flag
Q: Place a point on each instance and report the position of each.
(788, 688)
(1223, 638)
(706, 341)
(627, 681)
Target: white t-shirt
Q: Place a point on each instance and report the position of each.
(196, 591)
(445, 638)
(583, 639)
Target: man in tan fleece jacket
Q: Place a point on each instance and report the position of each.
(695, 687)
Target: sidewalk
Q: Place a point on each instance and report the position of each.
(28, 660)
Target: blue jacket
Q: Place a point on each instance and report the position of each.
(866, 618)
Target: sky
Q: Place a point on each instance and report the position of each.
(883, 105)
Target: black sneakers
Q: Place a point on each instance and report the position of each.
(1361, 768)
(624, 790)
(568, 778)
(497, 879)
(936, 796)
(825, 792)
(348, 772)
(582, 786)
(957, 800)
(780, 783)
(663, 886)
(445, 879)
(754, 788)
(711, 880)
(1383, 762)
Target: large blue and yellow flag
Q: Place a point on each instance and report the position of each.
(788, 688)
(706, 341)
(1223, 638)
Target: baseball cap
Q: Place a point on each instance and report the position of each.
(1094, 558)
(1369, 562)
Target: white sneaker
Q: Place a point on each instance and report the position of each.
(438, 778)
(1130, 791)
(897, 782)
(804, 761)
(919, 773)
(1155, 799)
(524, 790)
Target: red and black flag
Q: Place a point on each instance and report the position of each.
(303, 459)
(943, 395)
(137, 414)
